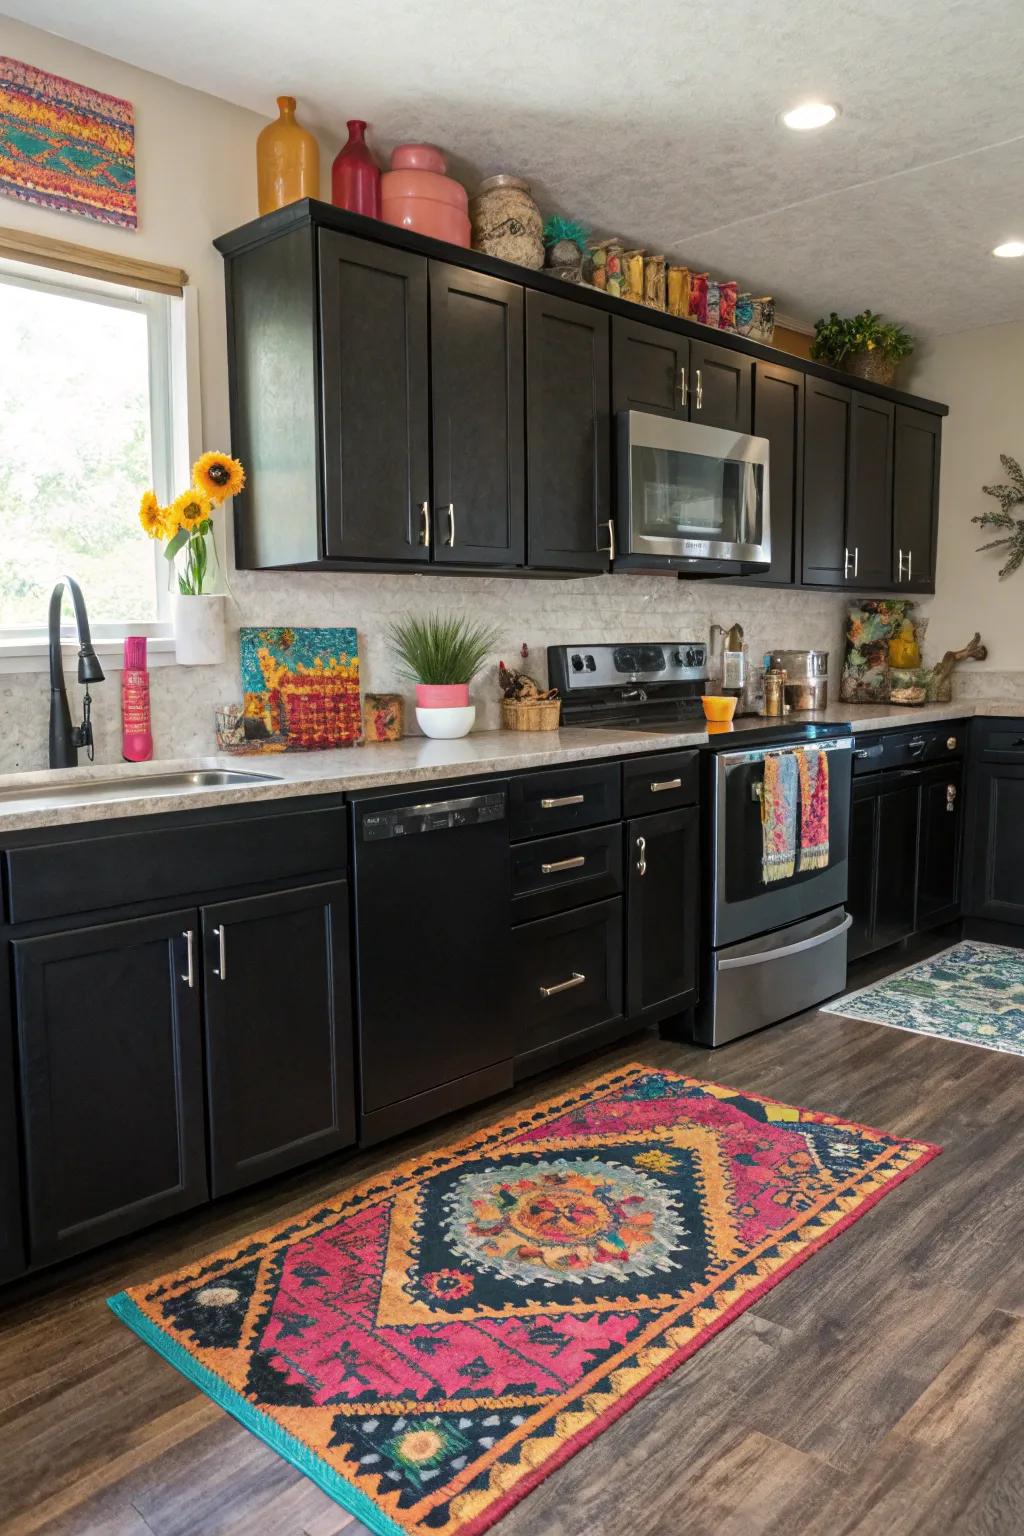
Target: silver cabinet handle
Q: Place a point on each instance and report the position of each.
(560, 864)
(660, 784)
(856, 559)
(700, 391)
(951, 798)
(610, 525)
(575, 980)
(221, 968)
(556, 802)
(641, 863)
(910, 565)
(899, 568)
(846, 563)
(683, 392)
(450, 509)
(425, 524)
(190, 957)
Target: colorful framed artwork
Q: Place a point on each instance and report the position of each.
(300, 689)
(66, 146)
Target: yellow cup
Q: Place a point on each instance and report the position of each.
(718, 709)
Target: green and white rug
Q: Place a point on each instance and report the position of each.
(972, 992)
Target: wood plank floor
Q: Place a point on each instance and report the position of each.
(878, 1389)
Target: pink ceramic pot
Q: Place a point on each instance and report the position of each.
(416, 194)
(442, 695)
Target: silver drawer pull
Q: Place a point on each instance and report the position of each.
(560, 864)
(575, 980)
(660, 784)
(556, 802)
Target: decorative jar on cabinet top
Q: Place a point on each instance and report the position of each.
(416, 194)
(355, 174)
(287, 160)
(507, 222)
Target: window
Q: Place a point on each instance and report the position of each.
(87, 387)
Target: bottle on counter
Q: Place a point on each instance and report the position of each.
(734, 661)
(136, 725)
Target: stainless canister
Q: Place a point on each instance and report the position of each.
(806, 677)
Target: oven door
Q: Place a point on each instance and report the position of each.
(691, 496)
(742, 904)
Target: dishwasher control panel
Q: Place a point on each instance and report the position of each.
(431, 816)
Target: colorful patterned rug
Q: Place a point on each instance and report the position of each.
(972, 992)
(433, 1342)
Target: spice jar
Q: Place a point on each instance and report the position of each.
(775, 692)
(654, 282)
(507, 223)
(679, 292)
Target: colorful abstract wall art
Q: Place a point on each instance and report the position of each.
(301, 689)
(66, 146)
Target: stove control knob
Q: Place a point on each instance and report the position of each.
(576, 662)
(590, 663)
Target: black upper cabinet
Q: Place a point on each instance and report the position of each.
(915, 497)
(779, 416)
(869, 510)
(111, 1079)
(374, 364)
(663, 912)
(568, 435)
(649, 369)
(476, 375)
(278, 1032)
(720, 387)
(827, 411)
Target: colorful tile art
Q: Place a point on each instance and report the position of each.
(301, 689)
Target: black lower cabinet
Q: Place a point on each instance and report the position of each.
(111, 1079)
(938, 873)
(12, 1227)
(997, 862)
(569, 978)
(662, 913)
(278, 1032)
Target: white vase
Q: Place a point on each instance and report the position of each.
(446, 724)
(199, 638)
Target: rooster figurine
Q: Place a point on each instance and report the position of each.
(520, 686)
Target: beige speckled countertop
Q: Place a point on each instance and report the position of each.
(414, 760)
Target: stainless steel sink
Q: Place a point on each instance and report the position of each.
(44, 797)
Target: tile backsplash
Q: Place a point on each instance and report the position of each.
(541, 613)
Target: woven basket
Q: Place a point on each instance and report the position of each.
(530, 714)
(874, 366)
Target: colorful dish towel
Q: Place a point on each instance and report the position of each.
(778, 816)
(813, 810)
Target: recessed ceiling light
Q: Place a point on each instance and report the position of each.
(1010, 248)
(812, 114)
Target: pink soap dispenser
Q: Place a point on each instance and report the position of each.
(136, 729)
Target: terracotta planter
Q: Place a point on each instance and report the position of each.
(874, 366)
(442, 695)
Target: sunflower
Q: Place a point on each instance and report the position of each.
(219, 476)
(154, 518)
(190, 509)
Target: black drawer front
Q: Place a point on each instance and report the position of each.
(554, 873)
(569, 973)
(659, 783)
(902, 749)
(1002, 742)
(564, 798)
(92, 874)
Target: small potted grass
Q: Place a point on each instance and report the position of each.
(442, 654)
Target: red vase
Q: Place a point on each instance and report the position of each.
(355, 175)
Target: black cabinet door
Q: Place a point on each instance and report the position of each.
(721, 387)
(869, 512)
(567, 978)
(938, 876)
(476, 378)
(997, 858)
(827, 411)
(12, 1235)
(649, 369)
(915, 497)
(779, 416)
(663, 912)
(376, 408)
(278, 1032)
(860, 900)
(111, 1080)
(896, 865)
(568, 435)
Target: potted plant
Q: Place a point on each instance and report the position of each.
(865, 345)
(187, 525)
(441, 655)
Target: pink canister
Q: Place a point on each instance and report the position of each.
(417, 195)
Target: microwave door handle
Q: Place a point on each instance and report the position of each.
(739, 961)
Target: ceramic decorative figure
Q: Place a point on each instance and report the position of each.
(287, 160)
(507, 223)
(355, 174)
(416, 194)
(383, 715)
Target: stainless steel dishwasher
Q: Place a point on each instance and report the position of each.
(432, 905)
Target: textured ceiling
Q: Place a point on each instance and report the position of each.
(657, 120)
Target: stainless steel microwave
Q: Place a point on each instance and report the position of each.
(690, 498)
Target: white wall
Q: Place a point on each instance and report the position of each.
(981, 375)
(196, 177)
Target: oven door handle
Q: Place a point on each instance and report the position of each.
(738, 759)
(787, 949)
